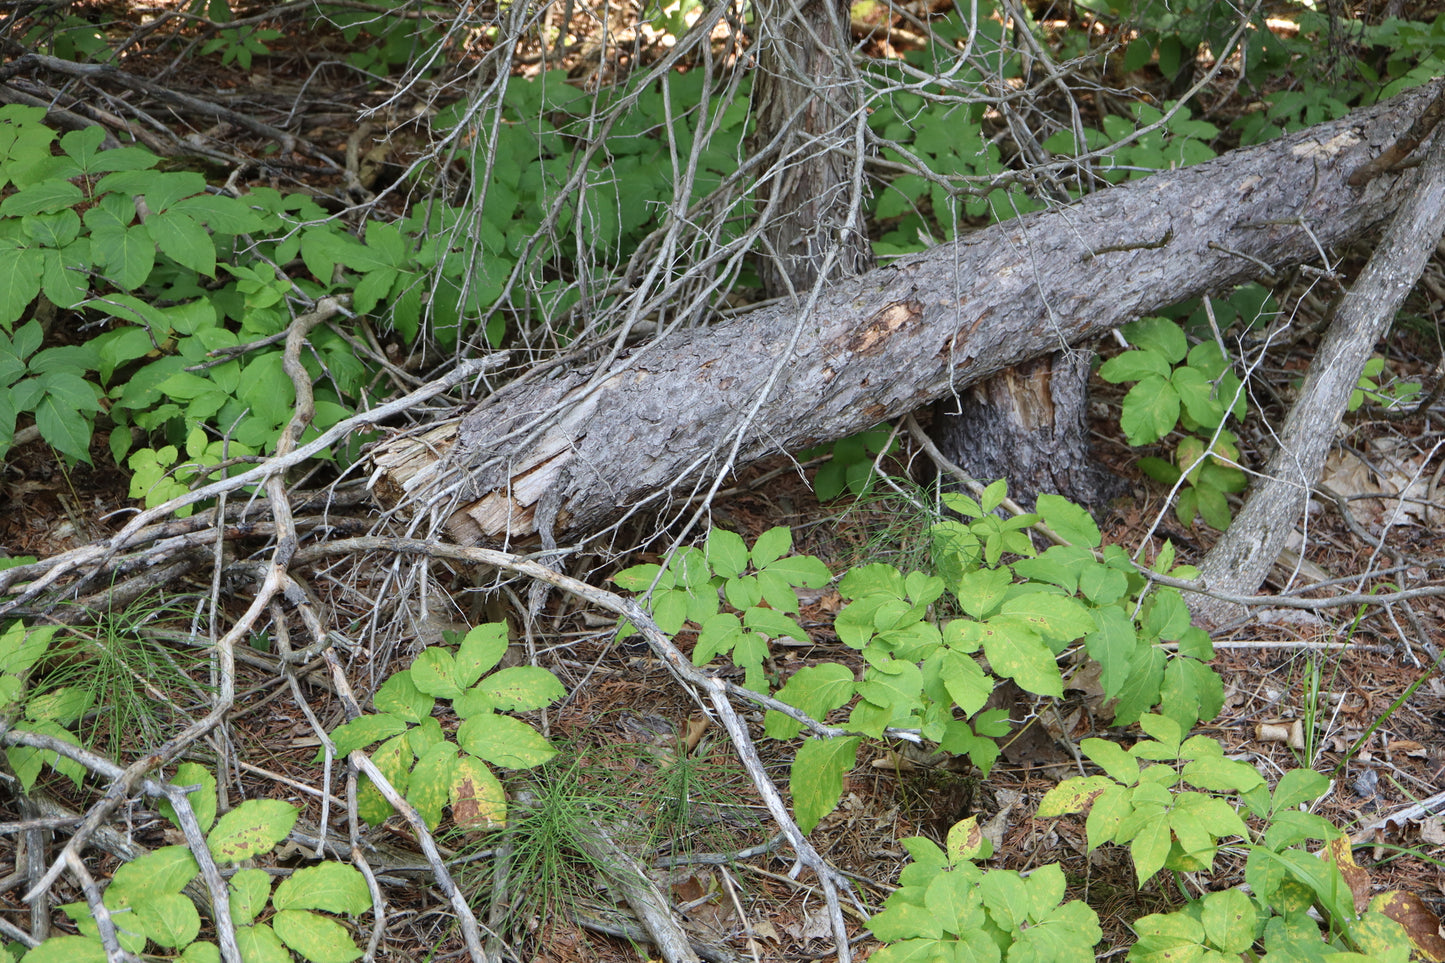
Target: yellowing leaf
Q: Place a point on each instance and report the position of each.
(477, 798)
(817, 777)
(331, 886)
(317, 938)
(252, 828)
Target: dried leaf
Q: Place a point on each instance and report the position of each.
(1410, 911)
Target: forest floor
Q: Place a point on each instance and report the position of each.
(1323, 690)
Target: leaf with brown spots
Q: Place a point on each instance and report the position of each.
(1420, 923)
(1338, 851)
(478, 800)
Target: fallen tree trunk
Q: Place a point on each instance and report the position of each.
(572, 454)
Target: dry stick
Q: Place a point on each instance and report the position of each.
(676, 662)
(1246, 551)
(97, 554)
(641, 894)
(471, 933)
(180, 802)
(275, 581)
(104, 924)
(289, 142)
(1425, 807)
(601, 597)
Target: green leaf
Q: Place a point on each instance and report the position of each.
(1069, 520)
(202, 951)
(1016, 652)
(249, 890)
(20, 270)
(771, 546)
(1007, 899)
(393, 759)
(1112, 645)
(63, 706)
(68, 949)
(252, 828)
(872, 579)
(225, 215)
(1140, 691)
(902, 919)
(777, 591)
(522, 688)
(504, 741)
(1159, 470)
(21, 648)
(1111, 758)
(365, 730)
(165, 870)
(816, 690)
(773, 624)
(817, 777)
(993, 496)
(1168, 938)
(803, 570)
(1213, 506)
(1150, 411)
(1055, 617)
(431, 782)
(1229, 920)
(316, 938)
(435, 673)
(50, 195)
(258, 944)
(202, 800)
(670, 609)
(1158, 334)
(743, 592)
(1297, 786)
(330, 886)
(979, 592)
(399, 697)
(1134, 366)
(726, 552)
(170, 919)
(952, 900)
(184, 241)
(480, 651)
(1150, 846)
(1196, 393)
(967, 684)
(1168, 617)
(1208, 359)
(895, 685)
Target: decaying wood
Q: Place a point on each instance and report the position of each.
(1028, 424)
(574, 453)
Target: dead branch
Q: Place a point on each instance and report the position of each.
(1245, 552)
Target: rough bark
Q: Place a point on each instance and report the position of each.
(571, 454)
(1028, 425)
(808, 117)
(1243, 555)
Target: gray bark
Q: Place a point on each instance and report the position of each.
(1028, 425)
(1239, 561)
(572, 454)
(809, 129)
